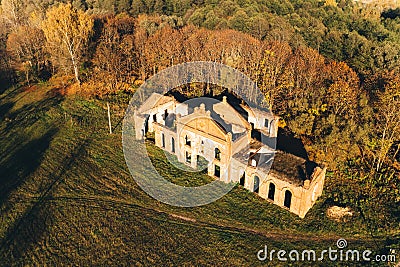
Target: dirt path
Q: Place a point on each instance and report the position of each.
(176, 218)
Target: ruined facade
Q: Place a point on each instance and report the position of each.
(222, 136)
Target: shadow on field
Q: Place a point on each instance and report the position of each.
(6, 80)
(20, 154)
(28, 114)
(30, 229)
(4, 109)
(20, 163)
(25, 234)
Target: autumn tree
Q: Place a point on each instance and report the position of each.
(271, 79)
(387, 123)
(67, 31)
(13, 11)
(4, 56)
(164, 48)
(195, 42)
(149, 35)
(26, 47)
(114, 59)
(343, 90)
(304, 93)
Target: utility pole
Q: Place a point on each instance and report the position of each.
(109, 117)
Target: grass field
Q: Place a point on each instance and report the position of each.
(67, 198)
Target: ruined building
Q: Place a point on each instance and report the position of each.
(220, 135)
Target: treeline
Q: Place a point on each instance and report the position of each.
(352, 126)
(367, 37)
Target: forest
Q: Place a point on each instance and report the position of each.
(330, 69)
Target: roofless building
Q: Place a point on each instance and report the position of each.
(222, 135)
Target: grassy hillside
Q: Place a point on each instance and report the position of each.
(66, 197)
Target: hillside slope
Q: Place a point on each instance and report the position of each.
(66, 197)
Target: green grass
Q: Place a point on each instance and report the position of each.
(67, 197)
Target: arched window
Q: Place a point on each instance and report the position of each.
(188, 157)
(266, 123)
(256, 185)
(217, 171)
(162, 140)
(271, 191)
(217, 154)
(173, 145)
(288, 199)
(241, 181)
(146, 126)
(187, 141)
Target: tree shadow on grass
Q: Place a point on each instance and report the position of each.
(6, 80)
(22, 162)
(16, 123)
(4, 109)
(29, 113)
(32, 229)
(33, 226)
(20, 154)
(14, 171)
